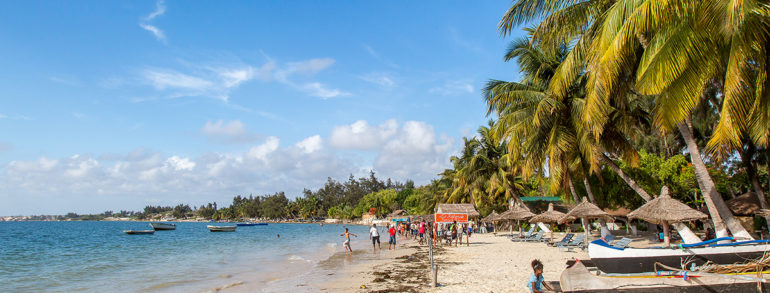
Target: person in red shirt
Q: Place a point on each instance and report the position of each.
(392, 240)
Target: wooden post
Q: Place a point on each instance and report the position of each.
(666, 240)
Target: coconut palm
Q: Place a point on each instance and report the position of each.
(685, 45)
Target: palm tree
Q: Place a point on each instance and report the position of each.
(685, 45)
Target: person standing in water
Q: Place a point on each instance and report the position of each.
(375, 236)
(347, 241)
(392, 239)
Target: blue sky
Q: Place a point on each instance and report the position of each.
(110, 105)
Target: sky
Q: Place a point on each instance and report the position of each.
(115, 105)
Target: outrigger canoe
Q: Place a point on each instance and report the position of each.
(609, 259)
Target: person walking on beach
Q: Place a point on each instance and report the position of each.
(375, 236)
(536, 281)
(422, 231)
(454, 234)
(347, 241)
(392, 239)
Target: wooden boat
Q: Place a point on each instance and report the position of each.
(609, 259)
(246, 224)
(162, 226)
(578, 278)
(260, 224)
(139, 232)
(221, 228)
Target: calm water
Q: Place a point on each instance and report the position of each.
(98, 256)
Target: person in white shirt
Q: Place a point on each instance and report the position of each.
(375, 236)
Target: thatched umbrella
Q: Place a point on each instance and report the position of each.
(549, 216)
(518, 212)
(491, 217)
(665, 210)
(585, 211)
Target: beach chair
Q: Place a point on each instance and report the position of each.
(536, 238)
(609, 239)
(563, 241)
(528, 234)
(622, 243)
(578, 241)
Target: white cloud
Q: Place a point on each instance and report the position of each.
(410, 150)
(160, 9)
(382, 79)
(261, 151)
(310, 67)
(163, 79)
(453, 88)
(320, 90)
(232, 131)
(362, 136)
(311, 144)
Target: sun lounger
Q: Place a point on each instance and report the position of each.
(528, 234)
(622, 243)
(609, 239)
(563, 241)
(536, 238)
(577, 242)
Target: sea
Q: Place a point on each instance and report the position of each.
(97, 256)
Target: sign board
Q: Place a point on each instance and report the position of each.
(449, 218)
(399, 220)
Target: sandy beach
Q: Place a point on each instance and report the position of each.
(490, 264)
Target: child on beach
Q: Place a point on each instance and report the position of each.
(347, 241)
(536, 282)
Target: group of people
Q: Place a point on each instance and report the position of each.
(422, 231)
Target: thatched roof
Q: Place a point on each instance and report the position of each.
(618, 212)
(491, 217)
(764, 213)
(744, 205)
(549, 216)
(397, 213)
(417, 218)
(587, 210)
(665, 208)
(517, 212)
(457, 208)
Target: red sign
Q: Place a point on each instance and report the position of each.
(449, 218)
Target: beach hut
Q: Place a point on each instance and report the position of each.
(665, 210)
(549, 216)
(457, 208)
(518, 213)
(586, 211)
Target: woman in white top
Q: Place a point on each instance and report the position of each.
(375, 236)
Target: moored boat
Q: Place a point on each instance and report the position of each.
(609, 259)
(162, 226)
(246, 224)
(221, 228)
(139, 232)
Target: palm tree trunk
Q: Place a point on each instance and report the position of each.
(687, 235)
(720, 214)
(591, 198)
(747, 158)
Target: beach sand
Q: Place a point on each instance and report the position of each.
(490, 264)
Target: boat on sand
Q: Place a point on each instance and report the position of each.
(162, 226)
(578, 278)
(221, 228)
(609, 259)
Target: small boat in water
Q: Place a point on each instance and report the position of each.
(139, 232)
(221, 228)
(246, 224)
(162, 226)
(609, 259)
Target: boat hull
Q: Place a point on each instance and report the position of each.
(246, 224)
(139, 232)
(636, 260)
(162, 226)
(578, 279)
(222, 228)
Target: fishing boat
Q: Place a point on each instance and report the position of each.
(609, 259)
(246, 224)
(162, 226)
(260, 224)
(221, 228)
(139, 232)
(578, 278)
